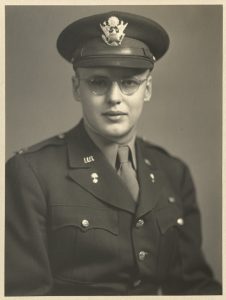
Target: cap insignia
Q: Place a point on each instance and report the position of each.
(113, 31)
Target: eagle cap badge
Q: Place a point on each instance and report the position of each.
(113, 30)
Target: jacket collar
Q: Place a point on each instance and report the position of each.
(86, 160)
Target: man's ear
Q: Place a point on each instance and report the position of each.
(75, 87)
(148, 91)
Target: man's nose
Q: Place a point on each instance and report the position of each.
(114, 93)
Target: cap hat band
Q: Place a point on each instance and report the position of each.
(127, 51)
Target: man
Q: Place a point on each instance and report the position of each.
(97, 210)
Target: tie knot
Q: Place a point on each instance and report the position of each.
(123, 154)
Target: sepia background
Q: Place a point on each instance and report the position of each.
(184, 116)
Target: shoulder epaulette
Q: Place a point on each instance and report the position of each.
(56, 140)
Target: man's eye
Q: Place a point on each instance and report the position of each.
(98, 82)
(130, 83)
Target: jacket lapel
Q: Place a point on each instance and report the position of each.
(154, 186)
(89, 168)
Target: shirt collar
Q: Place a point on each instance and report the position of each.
(110, 149)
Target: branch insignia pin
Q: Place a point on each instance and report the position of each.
(152, 178)
(95, 177)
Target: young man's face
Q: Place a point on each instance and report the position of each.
(112, 99)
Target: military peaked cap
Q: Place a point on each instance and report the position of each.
(115, 39)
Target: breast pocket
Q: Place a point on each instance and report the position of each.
(169, 220)
(83, 237)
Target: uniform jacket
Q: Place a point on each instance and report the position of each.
(68, 234)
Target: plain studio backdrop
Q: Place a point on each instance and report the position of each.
(184, 115)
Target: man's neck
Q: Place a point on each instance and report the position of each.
(109, 147)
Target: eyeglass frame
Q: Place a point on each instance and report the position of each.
(118, 81)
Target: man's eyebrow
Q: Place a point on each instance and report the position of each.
(137, 77)
(98, 76)
(120, 76)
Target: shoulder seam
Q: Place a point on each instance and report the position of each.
(57, 140)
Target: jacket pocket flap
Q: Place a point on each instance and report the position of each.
(85, 218)
(168, 217)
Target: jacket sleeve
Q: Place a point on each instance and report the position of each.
(27, 269)
(190, 274)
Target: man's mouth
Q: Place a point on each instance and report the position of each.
(114, 115)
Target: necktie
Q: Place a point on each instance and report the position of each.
(126, 171)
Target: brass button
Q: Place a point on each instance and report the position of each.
(85, 223)
(21, 151)
(142, 255)
(140, 223)
(61, 136)
(171, 200)
(180, 221)
(136, 283)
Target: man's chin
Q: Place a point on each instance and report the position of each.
(116, 134)
(119, 135)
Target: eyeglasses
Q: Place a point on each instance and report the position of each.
(100, 85)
